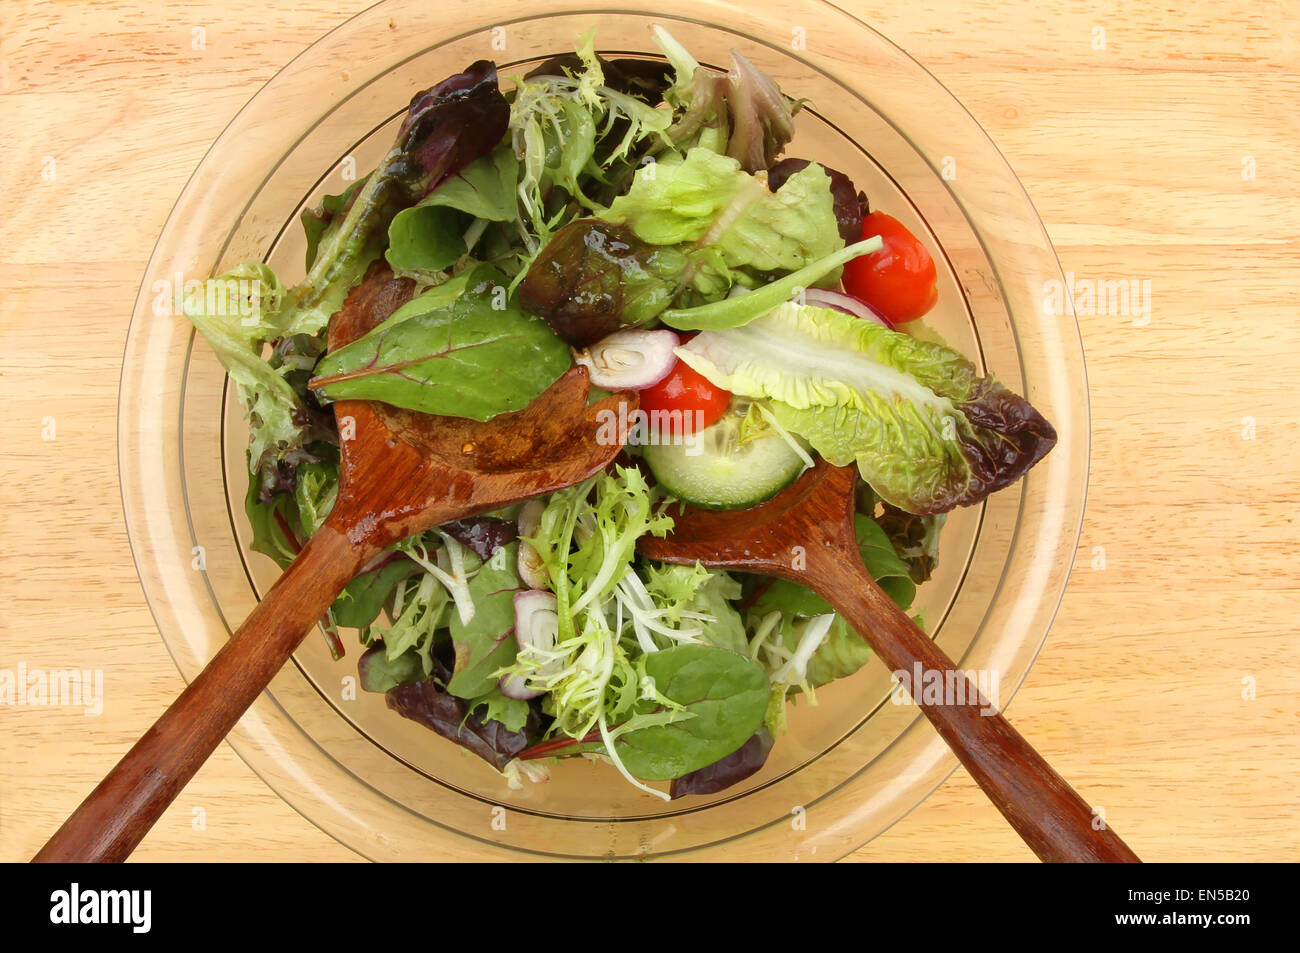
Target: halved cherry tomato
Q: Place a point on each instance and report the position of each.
(899, 279)
(686, 390)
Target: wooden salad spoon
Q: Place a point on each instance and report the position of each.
(814, 518)
(402, 473)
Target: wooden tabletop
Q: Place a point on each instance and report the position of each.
(1158, 141)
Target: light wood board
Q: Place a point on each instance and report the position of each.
(1134, 155)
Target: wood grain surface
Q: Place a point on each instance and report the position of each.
(1169, 688)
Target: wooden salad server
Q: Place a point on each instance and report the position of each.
(402, 473)
(816, 513)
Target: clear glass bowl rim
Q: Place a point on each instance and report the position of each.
(929, 760)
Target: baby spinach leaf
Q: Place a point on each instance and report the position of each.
(423, 610)
(725, 693)
(378, 673)
(274, 523)
(425, 238)
(883, 562)
(477, 357)
(732, 769)
(430, 236)
(484, 189)
(361, 600)
(486, 643)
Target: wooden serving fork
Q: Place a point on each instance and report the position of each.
(816, 513)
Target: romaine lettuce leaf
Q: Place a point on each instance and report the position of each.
(926, 431)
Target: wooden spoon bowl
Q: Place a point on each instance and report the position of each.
(805, 534)
(401, 473)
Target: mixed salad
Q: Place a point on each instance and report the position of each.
(635, 217)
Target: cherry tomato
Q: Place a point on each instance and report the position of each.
(899, 279)
(686, 390)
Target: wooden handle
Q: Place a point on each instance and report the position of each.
(120, 811)
(1051, 817)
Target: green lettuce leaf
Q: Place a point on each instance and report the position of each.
(741, 112)
(316, 491)
(575, 134)
(424, 606)
(431, 236)
(477, 357)
(688, 231)
(238, 314)
(586, 540)
(702, 597)
(446, 127)
(926, 431)
(316, 221)
(707, 199)
(486, 643)
(274, 522)
(512, 713)
(362, 599)
(840, 654)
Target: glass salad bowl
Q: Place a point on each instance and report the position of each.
(388, 788)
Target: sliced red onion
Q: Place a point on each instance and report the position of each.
(536, 623)
(529, 563)
(514, 686)
(848, 304)
(631, 359)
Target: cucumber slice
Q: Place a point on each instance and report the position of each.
(721, 473)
